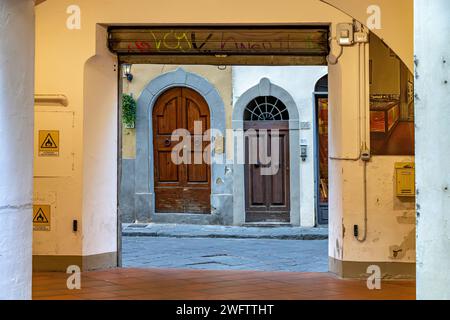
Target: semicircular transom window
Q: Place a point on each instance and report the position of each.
(266, 108)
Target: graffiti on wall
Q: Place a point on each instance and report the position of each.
(178, 41)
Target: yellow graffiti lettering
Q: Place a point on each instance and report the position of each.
(157, 42)
(178, 43)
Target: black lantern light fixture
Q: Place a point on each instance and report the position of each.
(126, 67)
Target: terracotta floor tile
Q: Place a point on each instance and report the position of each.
(173, 284)
(60, 297)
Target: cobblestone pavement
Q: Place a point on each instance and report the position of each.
(226, 254)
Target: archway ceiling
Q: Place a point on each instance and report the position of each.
(397, 18)
(397, 23)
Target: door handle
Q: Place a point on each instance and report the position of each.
(167, 143)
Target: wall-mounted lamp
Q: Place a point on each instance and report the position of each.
(126, 67)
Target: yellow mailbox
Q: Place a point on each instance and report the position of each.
(405, 179)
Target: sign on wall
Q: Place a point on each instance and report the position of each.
(41, 217)
(48, 143)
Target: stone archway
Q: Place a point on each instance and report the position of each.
(221, 194)
(266, 88)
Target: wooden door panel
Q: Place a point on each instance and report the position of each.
(167, 170)
(257, 191)
(197, 188)
(183, 188)
(197, 200)
(195, 114)
(278, 191)
(268, 196)
(279, 182)
(167, 117)
(197, 173)
(255, 182)
(164, 143)
(273, 217)
(169, 200)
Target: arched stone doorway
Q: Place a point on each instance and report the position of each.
(267, 180)
(267, 89)
(220, 194)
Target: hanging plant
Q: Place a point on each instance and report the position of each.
(128, 110)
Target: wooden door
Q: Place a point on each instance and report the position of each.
(268, 196)
(182, 188)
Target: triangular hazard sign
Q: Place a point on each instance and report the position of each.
(49, 143)
(40, 217)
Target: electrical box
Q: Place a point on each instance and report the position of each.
(361, 37)
(344, 34)
(405, 179)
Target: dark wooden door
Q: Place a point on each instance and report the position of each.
(181, 188)
(267, 196)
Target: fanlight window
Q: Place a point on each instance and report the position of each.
(266, 108)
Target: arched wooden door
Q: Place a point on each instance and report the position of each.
(267, 194)
(182, 188)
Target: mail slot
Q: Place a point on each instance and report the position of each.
(405, 179)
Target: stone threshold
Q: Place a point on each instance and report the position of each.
(231, 232)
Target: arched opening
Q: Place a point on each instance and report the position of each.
(267, 190)
(321, 156)
(266, 183)
(94, 194)
(322, 85)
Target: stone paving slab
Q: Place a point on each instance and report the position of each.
(225, 254)
(227, 232)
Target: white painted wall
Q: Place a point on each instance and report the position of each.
(54, 176)
(16, 137)
(391, 223)
(433, 149)
(99, 222)
(300, 83)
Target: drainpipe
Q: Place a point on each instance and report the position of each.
(366, 157)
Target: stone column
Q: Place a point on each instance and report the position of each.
(432, 50)
(16, 143)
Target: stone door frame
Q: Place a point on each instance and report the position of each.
(221, 183)
(266, 88)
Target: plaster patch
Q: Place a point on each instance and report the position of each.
(407, 218)
(398, 252)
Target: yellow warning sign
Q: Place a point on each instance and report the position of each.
(48, 143)
(41, 217)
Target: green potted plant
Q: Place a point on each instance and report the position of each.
(128, 111)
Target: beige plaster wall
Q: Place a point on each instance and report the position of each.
(144, 73)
